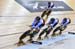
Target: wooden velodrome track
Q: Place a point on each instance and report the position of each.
(14, 20)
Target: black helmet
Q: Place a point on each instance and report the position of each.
(65, 19)
(50, 5)
(52, 19)
(37, 18)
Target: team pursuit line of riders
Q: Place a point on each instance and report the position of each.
(40, 21)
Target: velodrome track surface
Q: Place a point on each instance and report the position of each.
(14, 20)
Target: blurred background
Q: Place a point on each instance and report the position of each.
(15, 18)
